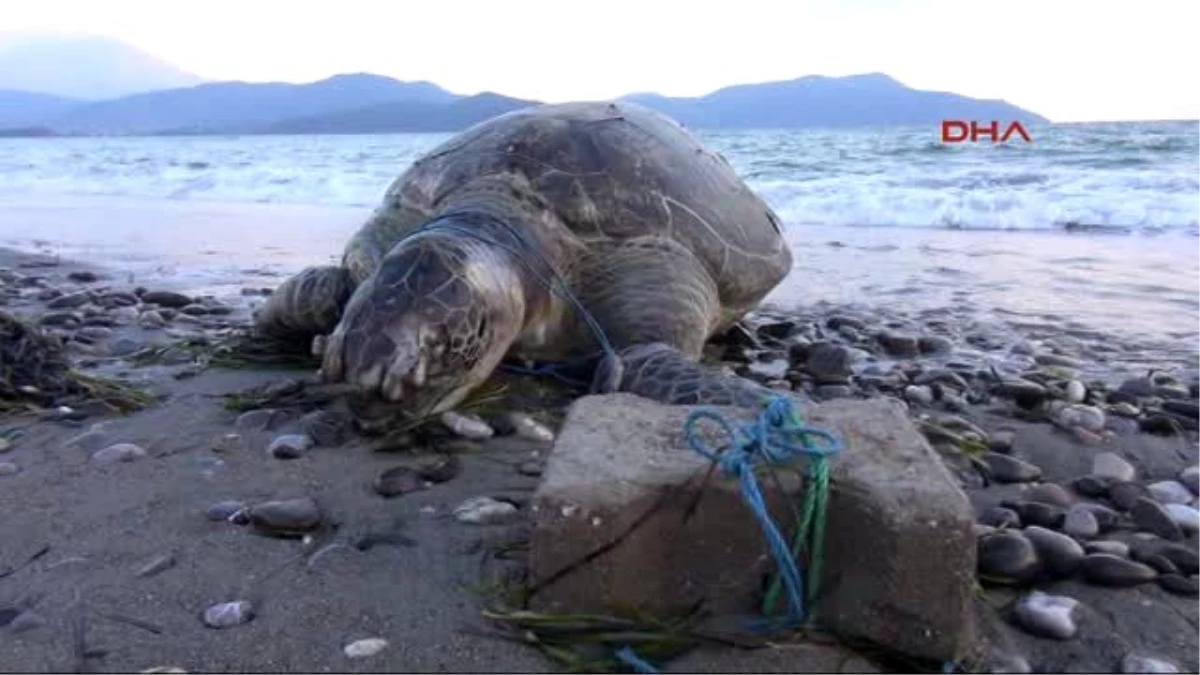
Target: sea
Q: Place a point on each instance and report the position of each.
(1089, 227)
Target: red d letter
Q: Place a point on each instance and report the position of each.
(948, 125)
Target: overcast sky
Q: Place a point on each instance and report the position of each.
(1066, 59)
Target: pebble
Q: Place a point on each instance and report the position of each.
(1060, 554)
(1008, 556)
(1186, 517)
(1057, 360)
(1105, 569)
(1081, 523)
(83, 276)
(227, 443)
(1125, 495)
(1161, 564)
(1008, 469)
(440, 469)
(228, 614)
(934, 344)
(1190, 477)
(1124, 409)
(326, 428)
(121, 452)
(532, 467)
(1111, 547)
(70, 300)
(1085, 417)
(1180, 585)
(1050, 616)
(5, 444)
(9, 469)
(829, 363)
(1185, 557)
(1076, 392)
(998, 663)
(224, 510)
(26, 621)
(1048, 493)
(1133, 663)
(466, 425)
(1150, 516)
(151, 319)
(1138, 387)
(166, 299)
(1092, 486)
(1171, 492)
(998, 516)
(1002, 442)
(360, 649)
(1185, 408)
(255, 420)
(898, 345)
(484, 511)
(69, 319)
(1037, 513)
(1111, 465)
(289, 446)
(828, 392)
(288, 517)
(525, 426)
(157, 564)
(398, 480)
(1025, 392)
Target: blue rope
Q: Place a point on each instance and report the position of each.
(630, 658)
(774, 438)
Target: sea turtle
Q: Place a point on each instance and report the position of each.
(552, 233)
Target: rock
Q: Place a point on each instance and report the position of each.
(1110, 465)
(1171, 492)
(1009, 469)
(70, 300)
(227, 443)
(65, 319)
(289, 446)
(1106, 518)
(1160, 564)
(1134, 663)
(1184, 557)
(1086, 417)
(1009, 557)
(1186, 517)
(1080, 523)
(1117, 548)
(998, 516)
(1048, 493)
(83, 276)
(1060, 555)
(26, 621)
(934, 344)
(918, 394)
(228, 614)
(618, 454)
(327, 428)
(1051, 616)
(531, 467)
(1180, 585)
(1190, 477)
(1092, 486)
(286, 518)
(151, 319)
(194, 309)
(361, 649)
(156, 565)
(1184, 408)
(829, 363)
(1026, 393)
(9, 469)
(166, 299)
(1076, 392)
(1138, 387)
(1125, 495)
(224, 510)
(121, 452)
(1037, 513)
(1124, 410)
(398, 480)
(1152, 517)
(485, 511)
(896, 345)
(255, 420)
(827, 392)
(466, 425)
(440, 469)
(1104, 569)
(1002, 442)
(1057, 360)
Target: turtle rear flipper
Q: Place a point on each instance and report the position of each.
(308, 304)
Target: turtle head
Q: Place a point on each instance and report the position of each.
(427, 327)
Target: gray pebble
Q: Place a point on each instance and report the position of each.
(121, 452)
(1180, 585)
(1190, 477)
(1037, 513)
(1185, 408)
(1134, 663)
(166, 299)
(531, 467)
(998, 516)
(360, 649)
(1111, 465)
(1104, 569)
(1117, 548)
(1076, 392)
(934, 344)
(1150, 516)
(289, 446)
(70, 300)
(1186, 517)
(223, 510)
(286, 518)
(1081, 523)
(1050, 616)
(1048, 493)
(398, 480)
(918, 394)
(1002, 442)
(1126, 495)
(897, 345)
(26, 621)
(484, 511)
(157, 564)
(255, 420)
(828, 392)
(9, 469)
(1124, 409)
(1008, 555)
(228, 614)
(1171, 492)
(829, 363)
(1160, 564)
(1185, 557)
(327, 428)
(1060, 554)
(1008, 469)
(1092, 486)
(151, 320)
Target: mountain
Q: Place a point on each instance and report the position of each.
(240, 107)
(398, 116)
(83, 67)
(23, 108)
(819, 101)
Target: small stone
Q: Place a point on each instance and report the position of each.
(1060, 555)
(1104, 569)
(934, 344)
(70, 300)
(121, 452)
(528, 428)
(227, 443)
(1092, 486)
(9, 469)
(289, 446)
(1037, 513)
(1186, 517)
(1081, 523)
(1002, 442)
(228, 614)
(1185, 557)
(194, 309)
(531, 467)
(1086, 417)
(255, 420)
(828, 392)
(26, 621)
(1137, 387)
(156, 565)
(829, 363)
(918, 394)
(1134, 663)
(1185, 408)
(1117, 548)
(1008, 556)
(466, 425)
(1008, 469)
(998, 516)
(1161, 564)
(1125, 495)
(484, 511)
(1152, 517)
(1190, 477)
(1057, 361)
(166, 299)
(5, 445)
(286, 518)
(1171, 492)
(83, 276)
(1003, 663)
(1180, 585)
(65, 319)
(224, 510)
(1076, 392)
(1111, 465)
(1048, 493)
(326, 428)
(1026, 393)
(151, 319)
(1124, 409)
(440, 469)
(897, 345)
(360, 649)
(1050, 616)
(396, 481)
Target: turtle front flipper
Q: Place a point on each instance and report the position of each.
(308, 304)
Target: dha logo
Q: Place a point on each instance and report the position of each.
(957, 131)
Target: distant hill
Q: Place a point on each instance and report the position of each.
(399, 116)
(818, 101)
(240, 107)
(24, 108)
(83, 67)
